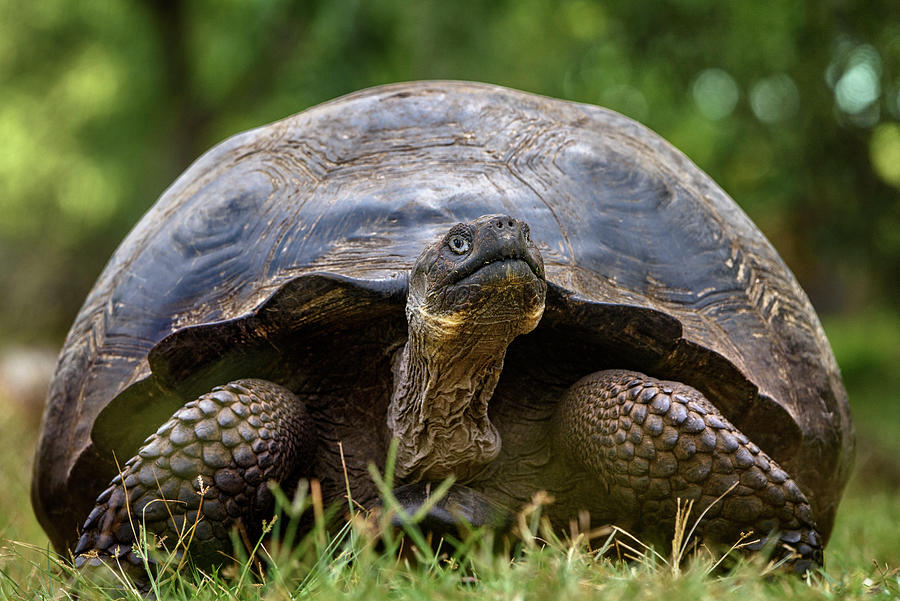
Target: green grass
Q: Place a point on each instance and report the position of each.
(862, 559)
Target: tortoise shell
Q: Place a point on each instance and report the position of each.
(283, 251)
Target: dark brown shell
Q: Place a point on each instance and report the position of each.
(649, 261)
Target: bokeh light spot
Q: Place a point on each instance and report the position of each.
(715, 93)
(884, 151)
(585, 20)
(86, 194)
(626, 99)
(857, 88)
(90, 85)
(856, 78)
(774, 98)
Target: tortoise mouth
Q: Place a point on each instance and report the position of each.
(499, 270)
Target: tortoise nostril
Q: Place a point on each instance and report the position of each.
(504, 221)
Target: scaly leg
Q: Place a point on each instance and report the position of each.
(651, 442)
(231, 441)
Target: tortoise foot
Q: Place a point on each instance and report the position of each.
(206, 468)
(653, 442)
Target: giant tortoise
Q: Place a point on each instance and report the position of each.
(525, 293)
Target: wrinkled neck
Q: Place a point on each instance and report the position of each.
(443, 379)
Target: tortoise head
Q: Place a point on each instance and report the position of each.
(470, 293)
(487, 272)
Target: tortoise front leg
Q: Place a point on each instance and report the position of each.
(230, 442)
(651, 442)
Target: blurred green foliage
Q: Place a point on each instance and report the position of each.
(793, 107)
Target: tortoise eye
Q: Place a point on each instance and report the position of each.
(459, 244)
